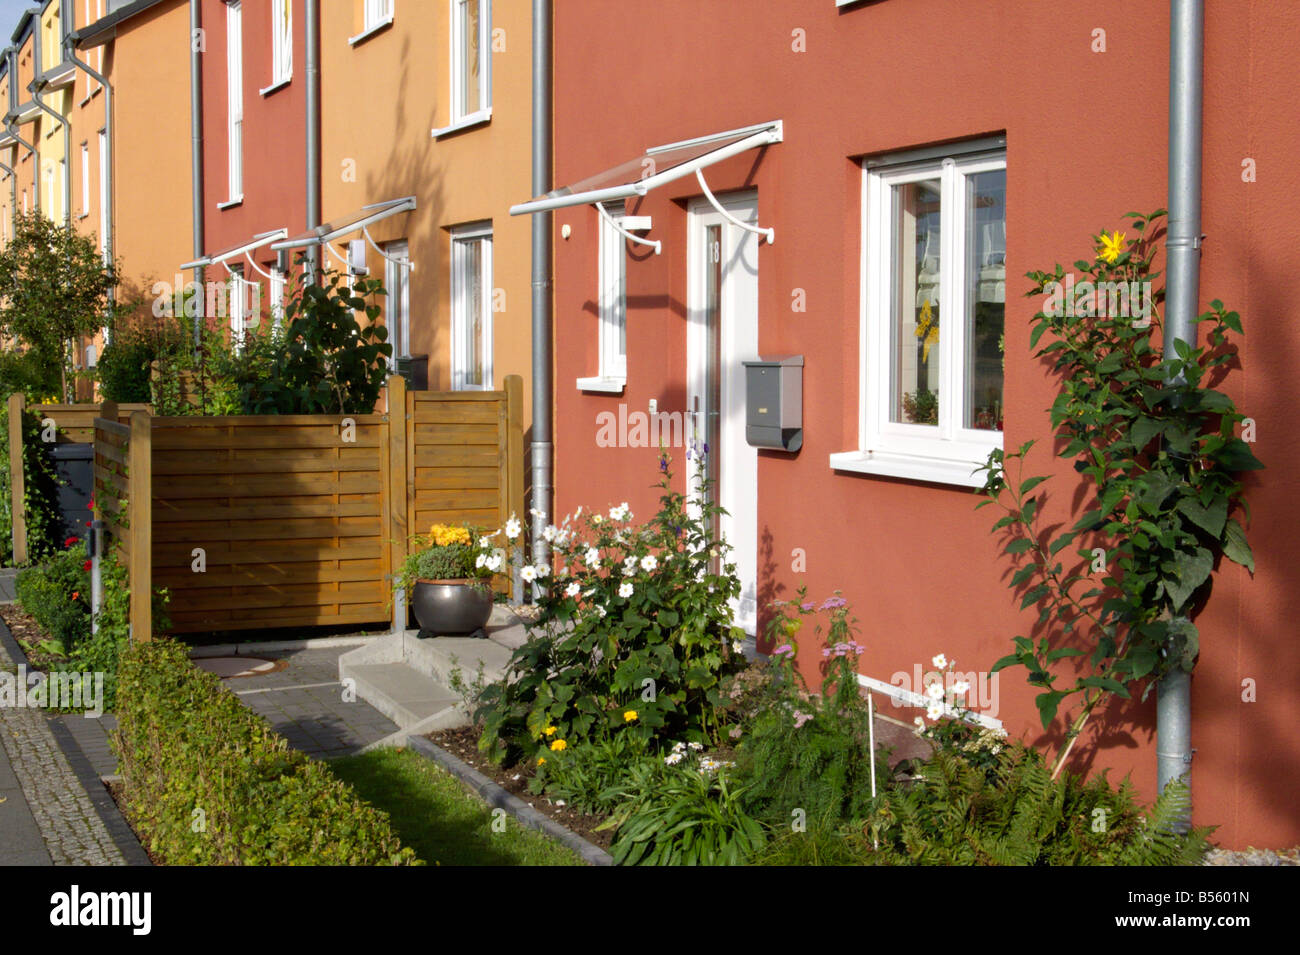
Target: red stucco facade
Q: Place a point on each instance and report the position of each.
(274, 135)
(1086, 135)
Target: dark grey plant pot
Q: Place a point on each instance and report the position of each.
(452, 607)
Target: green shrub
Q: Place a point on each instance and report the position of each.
(804, 752)
(683, 814)
(57, 595)
(634, 634)
(207, 782)
(328, 363)
(124, 368)
(43, 518)
(588, 776)
(955, 815)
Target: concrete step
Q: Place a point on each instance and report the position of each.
(405, 695)
(409, 678)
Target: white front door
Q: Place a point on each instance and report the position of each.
(722, 332)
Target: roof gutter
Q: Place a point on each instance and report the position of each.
(542, 443)
(1183, 251)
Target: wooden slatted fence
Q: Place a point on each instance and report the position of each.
(286, 521)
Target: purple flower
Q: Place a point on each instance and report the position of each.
(834, 603)
(783, 649)
(807, 606)
(663, 464)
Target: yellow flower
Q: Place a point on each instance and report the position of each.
(1111, 246)
(629, 716)
(927, 329)
(558, 745)
(540, 760)
(550, 731)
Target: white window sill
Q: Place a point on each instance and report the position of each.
(368, 32)
(465, 122)
(609, 386)
(231, 203)
(277, 85)
(910, 467)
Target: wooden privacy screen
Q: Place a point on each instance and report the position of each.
(287, 521)
(72, 423)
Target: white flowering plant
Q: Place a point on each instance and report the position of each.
(946, 722)
(452, 553)
(634, 632)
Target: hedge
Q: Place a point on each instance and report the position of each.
(207, 782)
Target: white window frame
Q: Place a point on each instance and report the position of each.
(946, 453)
(103, 196)
(377, 13)
(238, 297)
(281, 45)
(85, 179)
(278, 281)
(397, 275)
(611, 298)
(234, 102)
(460, 117)
(375, 16)
(461, 236)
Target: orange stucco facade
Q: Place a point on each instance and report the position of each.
(381, 99)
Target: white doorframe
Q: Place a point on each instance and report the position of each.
(737, 490)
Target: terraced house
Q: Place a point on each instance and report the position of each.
(851, 192)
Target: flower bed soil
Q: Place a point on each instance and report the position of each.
(463, 743)
(29, 634)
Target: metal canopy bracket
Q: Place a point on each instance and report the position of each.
(655, 244)
(404, 263)
(713, 201)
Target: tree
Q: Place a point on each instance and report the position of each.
(54, 288)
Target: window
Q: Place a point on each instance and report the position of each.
(471, 307)
(397, 283)
(278, 280)
(281, 42)
(471, 60)
(241, 292)
(235, 100)
(85, 179)
(378, 13)
(933, 306)
(375, 16)
(612, 300)
(103, 195)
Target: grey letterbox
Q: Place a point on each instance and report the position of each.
(774, 400)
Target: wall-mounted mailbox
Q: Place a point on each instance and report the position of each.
(774, 403)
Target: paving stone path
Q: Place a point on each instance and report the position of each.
(46, 817)
(305, 703)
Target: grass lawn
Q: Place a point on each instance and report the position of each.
(434, 814)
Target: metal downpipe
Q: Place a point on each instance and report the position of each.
(36, 90)
(541, 281)
(1183, 250)
(313, 130)
(196, 159)
(69, 50)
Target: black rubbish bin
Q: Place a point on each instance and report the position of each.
(75, 466)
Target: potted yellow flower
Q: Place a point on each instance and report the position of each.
(448, 580)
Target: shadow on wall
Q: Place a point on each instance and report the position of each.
(410, 171)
